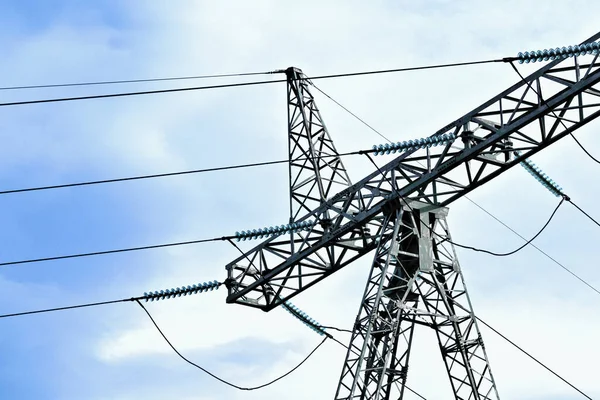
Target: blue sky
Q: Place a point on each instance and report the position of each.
(114, 352)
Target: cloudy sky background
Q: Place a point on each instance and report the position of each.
(114, 352)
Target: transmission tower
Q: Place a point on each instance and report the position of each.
(399, 210)
(415, 279)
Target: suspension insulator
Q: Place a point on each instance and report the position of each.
(541, 177)
(558, 53)
(304, 318)
(273, 231)
(410, 145)
(182, 291)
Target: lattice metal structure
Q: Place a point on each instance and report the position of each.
(415, 279)
(316, 169)
(534, 113)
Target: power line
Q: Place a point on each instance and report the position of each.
(413, 392)
(335, 329)
(240, 84)
(146, 92)
(94, 304)
(351, 113)
(517, 249)
(118, 82)
(195, 77)
(586, 214)
(147, 296)
(532, 357)
(124, 250)
(536, 247)
(31, 189)
(420, 68)
(168, 174)
(584, 149)
(171, 244)
(85, 305)
(221, 379)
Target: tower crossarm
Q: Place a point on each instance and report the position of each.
(524, 119)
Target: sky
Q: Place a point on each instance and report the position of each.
(114, 352)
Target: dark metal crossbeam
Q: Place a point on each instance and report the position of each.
(349, 223)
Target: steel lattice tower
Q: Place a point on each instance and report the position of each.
(400, 211)
(316, 169)
(415, 279)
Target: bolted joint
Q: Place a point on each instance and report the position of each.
(230, 283)
(326, 223)
(467, 136)
(391, 206)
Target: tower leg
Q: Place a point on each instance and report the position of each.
(415, 279)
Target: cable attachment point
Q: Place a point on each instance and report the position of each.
(178, 292)
(414, 144)
(273, 231)
(557, 53)
(304, 318)
(541, 177)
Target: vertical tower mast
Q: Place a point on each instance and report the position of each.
(415, 279)
(316, 169)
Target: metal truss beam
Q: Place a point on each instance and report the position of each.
(520, 118)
